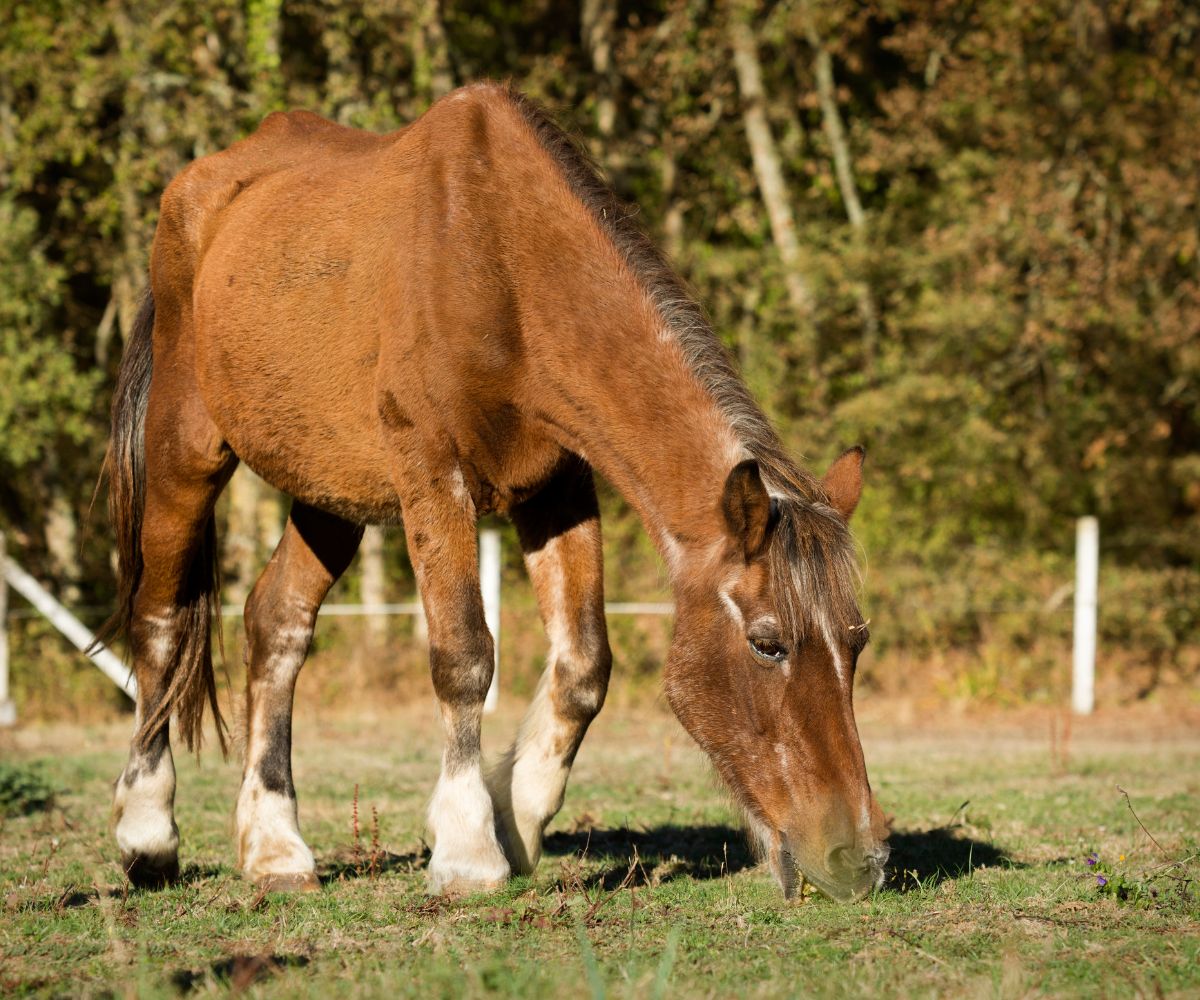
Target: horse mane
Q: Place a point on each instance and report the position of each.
(812, 555)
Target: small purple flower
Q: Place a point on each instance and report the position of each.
(1093, 859)
(1101, 880)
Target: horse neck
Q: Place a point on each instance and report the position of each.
(616, 381)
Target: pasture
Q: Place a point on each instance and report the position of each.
(646, 888)
(683, 246)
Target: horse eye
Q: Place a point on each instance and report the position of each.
(767, 649)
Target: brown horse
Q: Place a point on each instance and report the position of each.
(451, 320)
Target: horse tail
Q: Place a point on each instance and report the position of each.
(192, 683)
(125, 465)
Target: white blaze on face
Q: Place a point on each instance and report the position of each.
(839, 664)
(732, 607)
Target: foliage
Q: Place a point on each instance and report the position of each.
(1031, 244)
(23, 790)
(42, 394)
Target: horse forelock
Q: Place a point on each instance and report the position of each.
(814, 569)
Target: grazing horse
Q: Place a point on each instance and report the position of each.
(456, 319)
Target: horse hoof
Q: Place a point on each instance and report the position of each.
(288, 882)
(146, 872)
(457, 887)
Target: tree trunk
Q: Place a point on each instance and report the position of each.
(373, 581)
(673, 217)
(769, 174)
(129, 270)
(598, 19)
(62, 542)
(242, 534)
(432, 76)
(831, 120)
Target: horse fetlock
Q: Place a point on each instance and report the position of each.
(539, 783)
(522, 836)
(467, 856)
(146, 871)
(271, 851)
(144, 823)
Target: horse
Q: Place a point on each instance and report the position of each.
(455, 319)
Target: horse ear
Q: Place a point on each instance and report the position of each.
(843, 481)
(747, 508)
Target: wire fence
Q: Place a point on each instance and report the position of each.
(928, 612)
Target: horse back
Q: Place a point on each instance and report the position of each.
(342, 288)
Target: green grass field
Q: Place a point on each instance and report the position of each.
(647, 889)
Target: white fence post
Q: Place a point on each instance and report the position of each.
(1087, 568)
(70, 626)
(489, 580)
(8, 711)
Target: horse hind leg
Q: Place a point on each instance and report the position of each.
(186, 466)
(560, 534)
(281, 613)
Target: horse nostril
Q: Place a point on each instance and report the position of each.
(845, 859)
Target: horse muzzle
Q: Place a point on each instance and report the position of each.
(846, 872)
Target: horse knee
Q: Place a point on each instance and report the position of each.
(278, 634)
(581, 683)
(462, 665)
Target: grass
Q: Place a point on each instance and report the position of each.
(646, 890)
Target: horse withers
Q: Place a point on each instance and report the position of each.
(455, 319)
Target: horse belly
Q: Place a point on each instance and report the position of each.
(287, 348)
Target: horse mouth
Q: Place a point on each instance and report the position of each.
(791, 871)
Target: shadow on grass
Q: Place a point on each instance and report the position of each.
(55, 901)
(238, 972)
(925, 858)
(664, 852)
(919, 859)
(347, 866)
(194, 875)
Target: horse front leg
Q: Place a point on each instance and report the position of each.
(281, 613)
(560, 535)
(442, 542)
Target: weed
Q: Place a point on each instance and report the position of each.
(23, 790)
(1166, 884)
